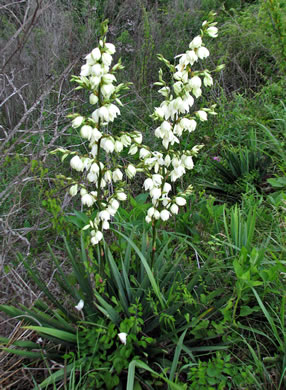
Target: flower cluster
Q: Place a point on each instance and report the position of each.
(102, 178)
(166, 167)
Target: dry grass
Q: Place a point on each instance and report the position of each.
(15, 289)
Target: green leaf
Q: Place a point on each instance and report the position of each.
(269, 318)
(246, 310)
(278, 182)
(107, 309)
(59, 334)
(65, 283)
(57, 376)
(146, 267)
(144, 366)
(26, 354)
(117, 278)
(177, 355)
(82, 275)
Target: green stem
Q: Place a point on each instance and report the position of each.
(154, 236)
(101, 260)
(235, 308)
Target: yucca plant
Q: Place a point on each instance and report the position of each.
(152, 308)
(237, 172)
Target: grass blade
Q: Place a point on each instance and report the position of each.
(177, 355)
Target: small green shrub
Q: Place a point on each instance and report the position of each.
(220, 373)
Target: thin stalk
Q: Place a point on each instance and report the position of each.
(154, 237)
(101, 246)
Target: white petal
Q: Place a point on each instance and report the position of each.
(80, 305)
(123, 337)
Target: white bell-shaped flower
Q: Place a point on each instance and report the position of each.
(117, 175)
(108, 145)
(148, 184)
(87, 200)
(86, 131)
(212, 31)
(203, 52)
(202, 115)
(196, 42)
(77, 164)
(130, 171)
(165, 215)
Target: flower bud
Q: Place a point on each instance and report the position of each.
(121, 196)
(167, 160)
(73, 190)
(93, 99)
(77, 121)
(208, 80)
(180, 201)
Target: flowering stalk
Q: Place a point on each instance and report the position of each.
(165, 167)
(102, 177)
